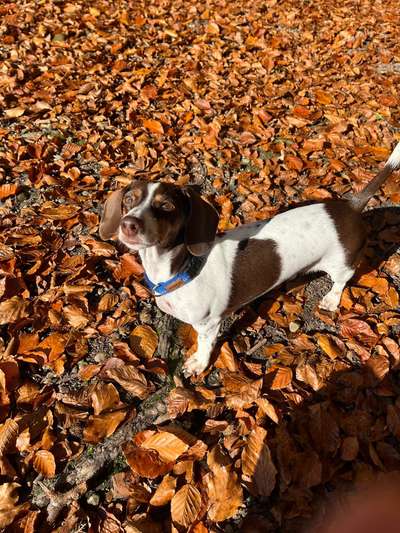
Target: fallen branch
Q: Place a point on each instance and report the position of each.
(60, 492)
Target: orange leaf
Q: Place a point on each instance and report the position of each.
(8, 508)
(313, 145)
(8, 189)
(281, 377)
(165, 491)
(131, 379)
(44, 463)
(102, 426)
(143, 340)
(14, 112)
(12, 310)
(307, 374)
(104, 397)
(377, 284)
(268, 409)
(62, 212)
(187, 335)
(146, 463)
(323, 98)
(293, 162)
(226, 359)
(224, 492)
(185, 505)
(107, 302)
(168, 445)
(327, 344)
(153, 125)
(257, 466)
(360, 330)
(8, 435)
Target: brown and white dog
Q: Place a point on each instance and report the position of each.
(200, 277)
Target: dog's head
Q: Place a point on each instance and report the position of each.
(159, 214)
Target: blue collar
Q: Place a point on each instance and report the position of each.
(193, 268)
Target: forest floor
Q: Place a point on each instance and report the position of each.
(263, 104)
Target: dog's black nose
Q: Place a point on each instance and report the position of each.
(131, 225)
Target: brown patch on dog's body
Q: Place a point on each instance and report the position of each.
(257, 267)
(350, 228)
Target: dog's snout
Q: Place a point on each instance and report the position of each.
(131, 225)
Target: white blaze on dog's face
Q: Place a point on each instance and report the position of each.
(159, 214)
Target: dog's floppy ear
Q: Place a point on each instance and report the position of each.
(111, 215)
(201, 225)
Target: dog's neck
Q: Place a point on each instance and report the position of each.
(161, 264)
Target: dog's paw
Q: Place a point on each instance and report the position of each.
(195, 365)
(330, 302)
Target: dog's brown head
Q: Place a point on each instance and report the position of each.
(159, 214)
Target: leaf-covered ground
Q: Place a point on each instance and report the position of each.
(264, 104)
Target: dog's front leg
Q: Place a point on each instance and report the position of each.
(207, 333)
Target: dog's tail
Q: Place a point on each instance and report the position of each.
(360, 200)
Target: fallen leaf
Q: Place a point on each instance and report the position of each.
(257, 466)
(164, 492)
(154, 126)
(168, 445)
(143, 340)
(101, 426)
(145, 462)
(12, 310)
(185, 505)
(14, 112)
(44, 463)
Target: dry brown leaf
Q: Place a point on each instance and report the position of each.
(329, 345)
(258, 469)
(8, 435)
(101, 426)
(168, 445)
(377, 284)
(8, 189)
(12, 310)
(358, 329)
(185, 505)
(104, 397)
(187, 335)
(62, 212)
(44, 463)
(154, 126)
(307, 374)
(349, 449)
(131, 379)
(164, 492)
(75, 316)
(143, 340)
(14, 112)
(279, 377)
(226, 358)
(224, 492)
(323, 97)
(268, 409)
(146, 463)
(8, 508)
(127, 485)
(107, 302)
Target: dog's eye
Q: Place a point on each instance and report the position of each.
(167, 206)
(131, 199)
(164, 205)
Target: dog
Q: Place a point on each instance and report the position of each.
(200, 277)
